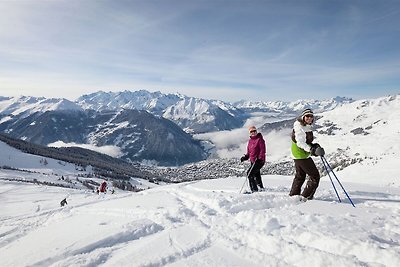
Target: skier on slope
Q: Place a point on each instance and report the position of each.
(63, 202)
(256, 153)
(302, 148)
(103, 187)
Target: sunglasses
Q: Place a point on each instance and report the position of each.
(253, 131)
(309, 116)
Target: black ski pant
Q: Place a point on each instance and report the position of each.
(304, 167)
(254, 175)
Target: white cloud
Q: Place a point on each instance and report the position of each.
(233, 144)
(112, 151)
(278, 146)
(228, 144)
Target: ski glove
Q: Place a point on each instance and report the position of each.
(245, 157)
(317, 150)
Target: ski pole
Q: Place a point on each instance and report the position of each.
(247, 176)
(338, 181)
(326, 168)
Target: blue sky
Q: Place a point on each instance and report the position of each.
(227, 50)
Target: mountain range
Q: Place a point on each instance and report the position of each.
(355, 135)
(143, 126)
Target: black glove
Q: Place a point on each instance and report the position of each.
(316, 150)
(245, 157)
(313, 148)
(315, 145)
(319, 151)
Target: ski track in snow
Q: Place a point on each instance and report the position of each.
(202, 223)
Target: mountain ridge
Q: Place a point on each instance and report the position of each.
(138, 134)
(195, 115)
(101, 127)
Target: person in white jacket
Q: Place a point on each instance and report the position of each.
(302, 148)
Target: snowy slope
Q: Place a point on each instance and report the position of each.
(14, 158)
(16, 165)
(366, 131)
(366, 127)
(203, 223)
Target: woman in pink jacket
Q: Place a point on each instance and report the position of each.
(256, 153)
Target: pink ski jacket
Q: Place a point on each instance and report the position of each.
(256, 148)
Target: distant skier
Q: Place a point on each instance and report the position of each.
(103, 187)
(302, 148)
(63, 202)
(256, 153)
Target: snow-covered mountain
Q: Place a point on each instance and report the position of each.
(26, 105)
(366, 131)
(140, 100)
(139, 135)
(91, 122)
(294, 107)
(194, 115)
(198, 115)
(191, 114)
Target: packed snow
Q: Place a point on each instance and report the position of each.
(201, 223)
